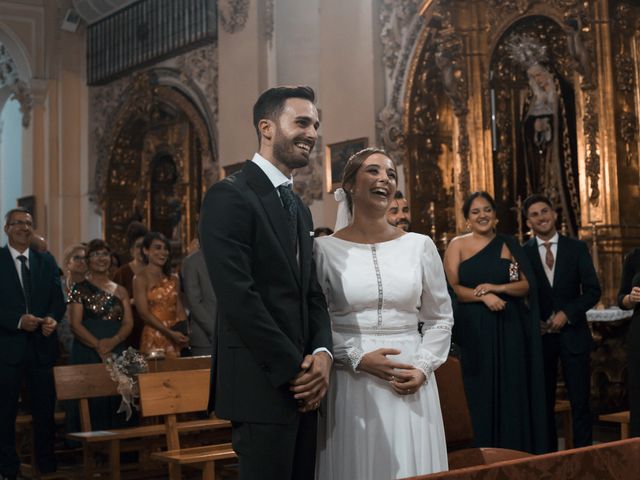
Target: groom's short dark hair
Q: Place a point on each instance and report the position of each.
(271, 102)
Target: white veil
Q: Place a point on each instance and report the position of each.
(343, 217)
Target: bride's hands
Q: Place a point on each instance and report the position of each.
(376, 363)
(407, 382)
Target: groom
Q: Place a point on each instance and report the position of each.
(274, 337)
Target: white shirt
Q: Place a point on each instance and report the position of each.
(542, 251)
(277, 178)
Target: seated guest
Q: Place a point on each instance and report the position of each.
(398, 213)
(563, 301)
(31, 304)
(101, 320)
(74, 270)
(629, 298)
(202, 303)
(156, 293)
(124, 276)
(497, 329)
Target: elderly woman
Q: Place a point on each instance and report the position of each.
(101, 320)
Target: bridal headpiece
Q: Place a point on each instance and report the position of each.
(343, 217)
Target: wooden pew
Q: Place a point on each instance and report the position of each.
(606, 461)
(171, 393)
(83, 382)
(618, 417)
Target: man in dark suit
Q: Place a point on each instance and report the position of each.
(202, 303)
(274, 339)
(567, 287)
(32, 304)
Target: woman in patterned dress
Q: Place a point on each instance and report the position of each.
(156, 293)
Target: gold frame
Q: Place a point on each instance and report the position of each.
(336, 156)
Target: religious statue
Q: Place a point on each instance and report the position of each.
(548, 131)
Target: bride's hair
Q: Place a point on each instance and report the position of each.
(353, 165)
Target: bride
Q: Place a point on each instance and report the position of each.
(382, 416)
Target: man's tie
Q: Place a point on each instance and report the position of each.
(26, 281)
(548, 259)
(291, 206)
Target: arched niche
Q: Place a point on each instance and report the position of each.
(159, 160)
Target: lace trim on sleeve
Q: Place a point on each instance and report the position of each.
(354, 356)
(425, 367)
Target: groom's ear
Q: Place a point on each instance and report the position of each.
(267, 129)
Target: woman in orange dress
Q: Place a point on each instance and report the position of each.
(156, 293)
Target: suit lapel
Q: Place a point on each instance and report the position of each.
(10, 267)
(560, 254)
(272, 205)
(304, 243)
(35, 266)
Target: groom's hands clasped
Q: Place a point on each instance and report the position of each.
(310, 385)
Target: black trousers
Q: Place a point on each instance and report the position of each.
(275, 451)
(576, 371)
(41, 389)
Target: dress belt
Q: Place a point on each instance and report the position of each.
(382, 330)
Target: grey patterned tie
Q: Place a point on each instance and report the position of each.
(26, 281)
(291, 206)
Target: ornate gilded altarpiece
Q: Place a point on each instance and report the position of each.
(462, 125)
(159, 162)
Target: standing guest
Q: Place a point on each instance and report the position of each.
(380, 283)
(124, 276)
(567, 287)
(629, 298)
(31, 306)
(115, 265)
(498, 334)
(39, 243)
(398, 214)
(101, 320)
(156, 293)
(273, 331)
(202, 303)
(322, 232)
(74, 267)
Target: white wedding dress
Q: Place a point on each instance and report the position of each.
(377, 294)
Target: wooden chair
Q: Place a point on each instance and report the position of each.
(621, 418)
(457, 422)
(563, 408)
(83, 382)
(171, 393)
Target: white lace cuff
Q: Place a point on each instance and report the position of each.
(425, 368)
(354, 356)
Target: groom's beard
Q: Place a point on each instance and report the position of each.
(286, 152)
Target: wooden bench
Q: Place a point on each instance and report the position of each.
(563, 408)
(83, 382)
(171, 393)
(618, 417)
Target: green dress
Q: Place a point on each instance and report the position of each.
(501, 356)
(102, 314)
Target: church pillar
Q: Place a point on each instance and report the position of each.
(602, 162)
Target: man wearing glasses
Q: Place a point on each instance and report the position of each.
(32, 304)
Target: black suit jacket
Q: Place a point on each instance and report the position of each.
(271, 309)
(575, 289)
(47, 300)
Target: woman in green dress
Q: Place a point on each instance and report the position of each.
(497, 331)
(101, 320)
